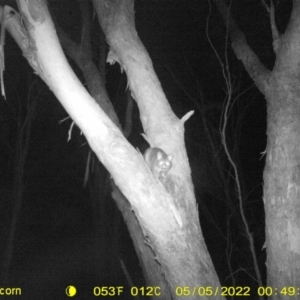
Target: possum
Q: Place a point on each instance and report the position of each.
(158, 161)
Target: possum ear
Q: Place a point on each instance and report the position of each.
(159, 155)
(170, 157)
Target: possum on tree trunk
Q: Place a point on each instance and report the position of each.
(158, 161)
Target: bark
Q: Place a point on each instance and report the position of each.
(282, 173)
(163, 130)
(167, 213)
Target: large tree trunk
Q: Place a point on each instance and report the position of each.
(282, 172)
(282, 181)
(166, 211)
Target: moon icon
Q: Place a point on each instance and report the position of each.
(71, 291)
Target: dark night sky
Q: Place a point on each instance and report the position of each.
(57, 238)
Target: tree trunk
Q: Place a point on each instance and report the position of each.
(282, 183)
(166, 211)
(282, 173)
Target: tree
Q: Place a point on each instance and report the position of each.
(281, 175)
(170, 242)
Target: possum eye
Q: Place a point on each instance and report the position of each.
(165, 165)
(160, 163)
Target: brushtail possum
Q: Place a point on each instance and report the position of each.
(158, 161)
